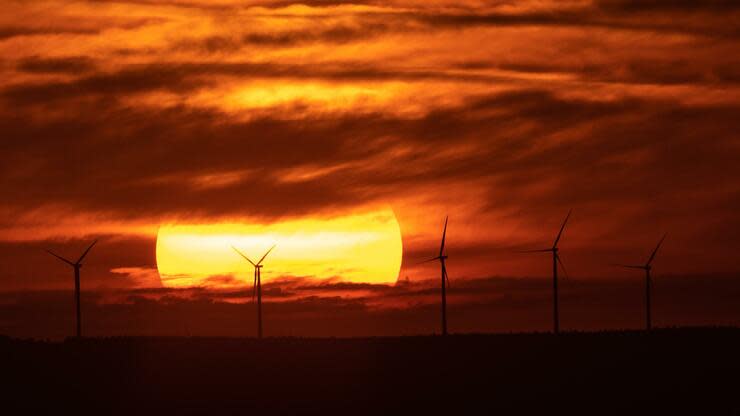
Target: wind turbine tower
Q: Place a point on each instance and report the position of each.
(648, 282)
(257, 286)
(555, 261)
(76, 265)
(442, 257)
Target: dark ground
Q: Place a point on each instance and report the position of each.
(670, 371)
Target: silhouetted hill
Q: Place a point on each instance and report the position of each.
(689, 371)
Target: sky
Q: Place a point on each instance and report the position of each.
(121, 117)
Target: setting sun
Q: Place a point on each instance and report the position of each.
(359, 248)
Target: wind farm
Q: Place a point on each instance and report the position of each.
(406, 284)
(501, 371)
(580, 158)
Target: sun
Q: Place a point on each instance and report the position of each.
(361, 247)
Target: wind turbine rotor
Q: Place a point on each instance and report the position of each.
(562, 266)
(562, 227)
(652, 256)
(429, 260)
(86, 251)
(263, 257)
(544, 250)
(627, 266)
(245, 257)
(444, 234)
(60, 258)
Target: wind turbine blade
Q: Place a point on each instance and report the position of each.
(444, 234)
(652, 256)
(627, 266)
(428, 260)
(61, 258)
(447, 278)
(562, 266)
(268, 252)
(560, 234)
(254, 287)
(86, 251)
(242, 254)
(544, 250)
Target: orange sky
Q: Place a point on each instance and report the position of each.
(119, 116)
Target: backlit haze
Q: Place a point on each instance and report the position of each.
(344, 133)
(358, 249)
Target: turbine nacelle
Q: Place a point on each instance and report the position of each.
(257, 285)
(556, 262)
(77, 264)
(649, 265)
(257, 265)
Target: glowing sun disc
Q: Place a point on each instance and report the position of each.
(358, 248)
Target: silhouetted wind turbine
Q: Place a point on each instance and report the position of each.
(555, 260)
(445, 280)
(648, 281)
(76, 265)
(257, 287)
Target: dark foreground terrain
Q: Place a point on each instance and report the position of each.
(687, 371)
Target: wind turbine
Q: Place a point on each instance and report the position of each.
(76, 265)
(257, 286)
(648, 281)
(445, 280)
(555, 260)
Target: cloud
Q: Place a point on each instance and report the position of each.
(73, 25)
(7, 32)
(482, 305)
(521, 145)
(146, 277)
(337, 33)
(668, 5)
(71, 64)
(190, 77)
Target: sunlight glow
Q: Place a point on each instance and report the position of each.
(359, 248)
(330, 97)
